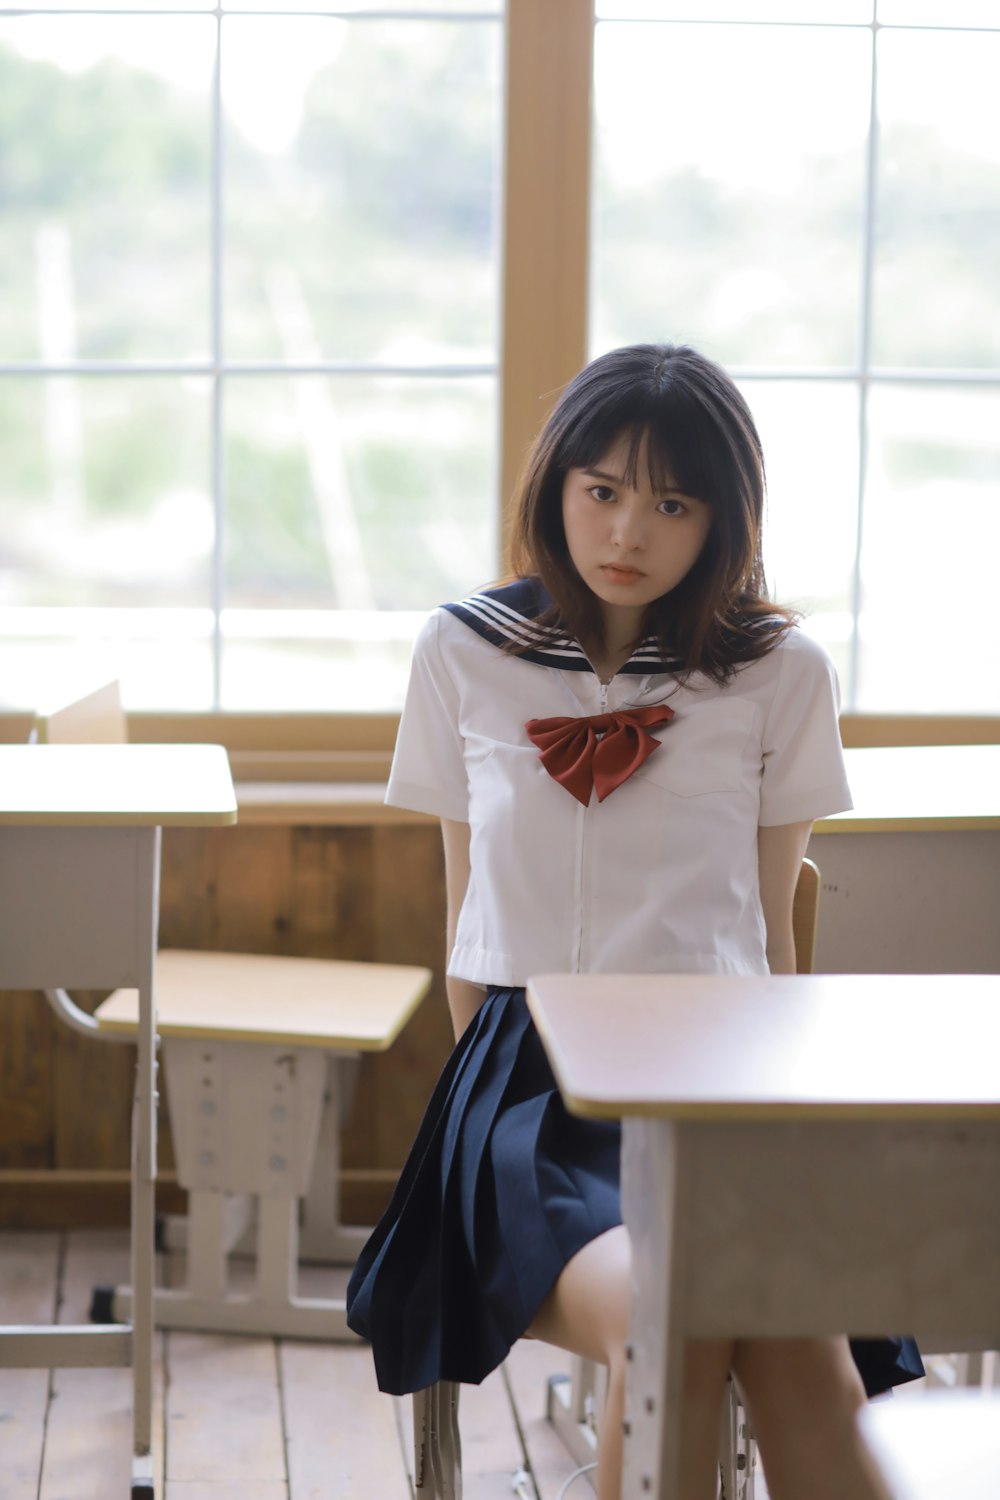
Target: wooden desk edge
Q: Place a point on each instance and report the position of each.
(722, 1111)
(217, 818)
(350, 804)
(855, 823)
(776, 1112)
(327, 1041)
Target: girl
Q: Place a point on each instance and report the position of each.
(627, 747)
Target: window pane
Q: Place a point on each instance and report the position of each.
(361, 201)
(809, 431)
(842, 11)
(485, 7)
(108, 530)
(938, 220)
(716, 220)
(158, 5)
(938, 13)
(105, 163)
(342, 661)
(348, 496)
(931, 540)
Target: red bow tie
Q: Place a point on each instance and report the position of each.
(598, 752)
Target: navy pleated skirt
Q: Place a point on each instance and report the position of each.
(502, 1187)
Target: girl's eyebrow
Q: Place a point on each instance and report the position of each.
(603, 474)
(670, 489)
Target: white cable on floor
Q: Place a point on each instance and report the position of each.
(585, 1469)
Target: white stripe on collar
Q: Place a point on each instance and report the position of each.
(504, 616)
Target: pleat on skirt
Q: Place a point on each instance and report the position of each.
(502, 1187)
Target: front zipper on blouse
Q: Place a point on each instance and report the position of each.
(582, 871)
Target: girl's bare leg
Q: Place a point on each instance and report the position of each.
(803, 1396)
(587, 1313)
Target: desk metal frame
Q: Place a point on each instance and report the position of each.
(79, 908)
(801, 1156)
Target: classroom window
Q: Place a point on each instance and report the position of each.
(248, 344)
(250, 383)
(810, 192)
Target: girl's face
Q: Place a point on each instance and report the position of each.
(630, 545)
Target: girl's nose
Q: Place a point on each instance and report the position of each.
(628, 529)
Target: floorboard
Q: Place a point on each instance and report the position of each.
(250, 1418)
(341, 1431)
(491, 1445)
(528, 1368)
(223, 1420)
(88, 1441)
(29, 1268)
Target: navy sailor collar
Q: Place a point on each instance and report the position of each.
(502, 615)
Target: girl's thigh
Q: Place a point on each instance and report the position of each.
(587, 1310)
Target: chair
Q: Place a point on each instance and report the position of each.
(573, 1403)
(258, 1052)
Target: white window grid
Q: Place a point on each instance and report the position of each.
(217, 368)
(865, 374)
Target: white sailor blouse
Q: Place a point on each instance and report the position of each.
(656, 873)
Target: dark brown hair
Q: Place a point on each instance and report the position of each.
(684, 414)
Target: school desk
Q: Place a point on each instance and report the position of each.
(910, 876)
(942, 1445)
(802, 1155)
(79, 886)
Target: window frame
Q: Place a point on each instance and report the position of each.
(546, 221)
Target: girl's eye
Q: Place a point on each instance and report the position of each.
(671, 507)
(602, 492)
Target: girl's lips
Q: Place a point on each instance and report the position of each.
(620, 575)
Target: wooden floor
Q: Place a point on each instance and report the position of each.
(248, 1418)
(243, 1418)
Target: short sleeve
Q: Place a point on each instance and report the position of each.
(428, 767)
(803, 763)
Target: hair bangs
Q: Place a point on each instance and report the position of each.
(666, 434)
(673, 459)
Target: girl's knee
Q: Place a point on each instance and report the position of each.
(805, 1375)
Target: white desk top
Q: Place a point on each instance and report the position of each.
(303, 1002)
(939, 1445)
(913, 787)
(899, 789)
(807, 1046)
(115, 785)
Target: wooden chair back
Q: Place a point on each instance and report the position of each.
(96, 719)
(805, 914)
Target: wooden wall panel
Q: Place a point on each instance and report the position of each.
(409, 898)
(331, 895)
(93, 1083)
(27, 1126)
(360, 893)
(188, 882)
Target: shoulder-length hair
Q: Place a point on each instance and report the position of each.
(682, 415)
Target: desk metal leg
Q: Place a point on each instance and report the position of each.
(144, 1165)
(324, 1239)
(79, 908)
(654, 1376)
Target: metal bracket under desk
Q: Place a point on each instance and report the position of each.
(800, 1229)
(78, 909)
(247, 1121)
(324, 1240)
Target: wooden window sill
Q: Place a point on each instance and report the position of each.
(320, 803)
